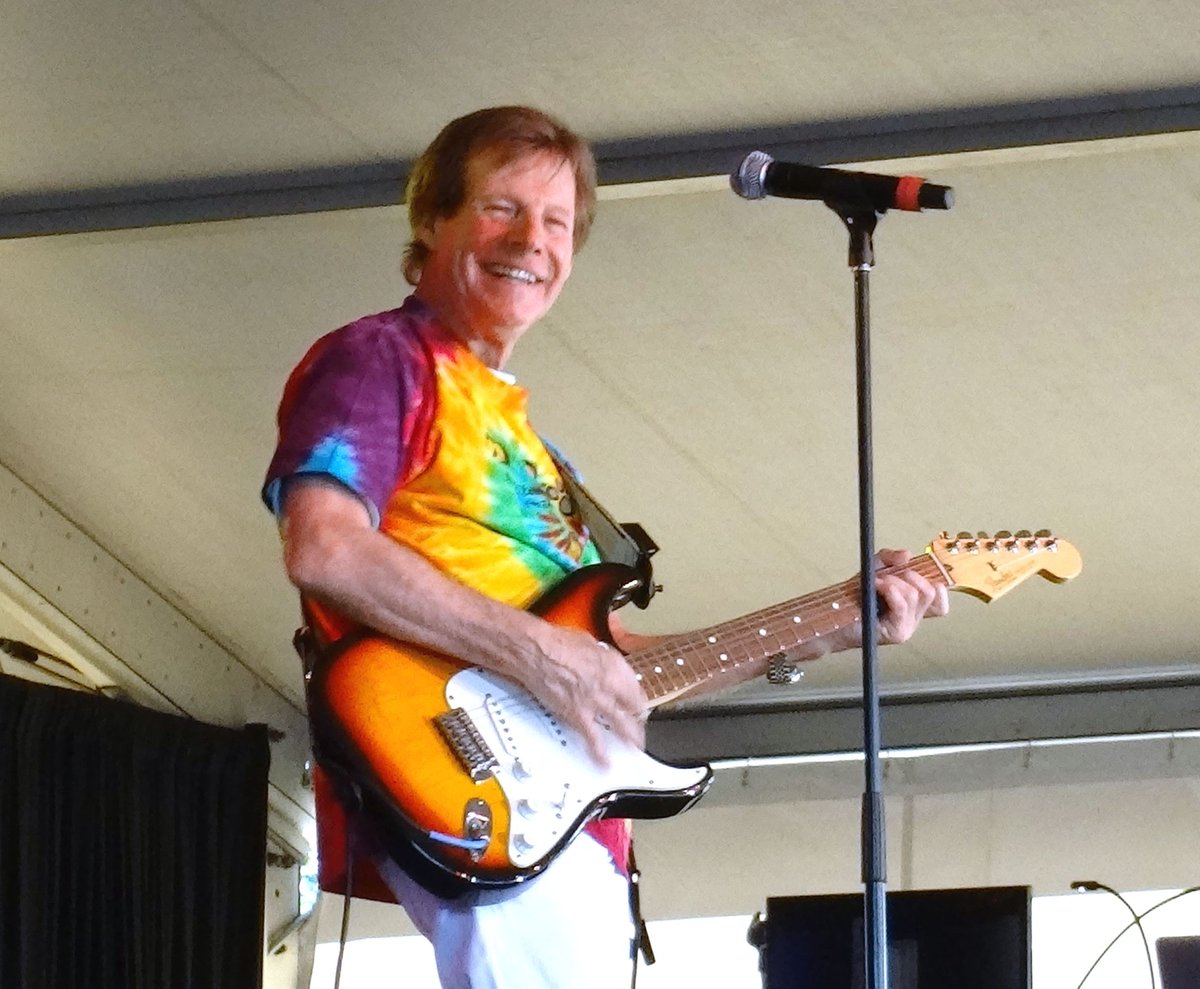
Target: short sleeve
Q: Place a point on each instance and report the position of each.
(354, 410)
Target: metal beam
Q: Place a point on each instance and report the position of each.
(667, 157)
(1168, 702)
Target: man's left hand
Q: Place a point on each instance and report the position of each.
(905, 598)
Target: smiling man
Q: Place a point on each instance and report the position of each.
(416, 501)
(495, 266)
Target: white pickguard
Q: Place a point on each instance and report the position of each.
(545, 770)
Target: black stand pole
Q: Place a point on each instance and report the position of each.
(861, 222)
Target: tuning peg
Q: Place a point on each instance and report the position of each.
(1042, 534)
(982, 540)
(1024, 534)
(1004, 534)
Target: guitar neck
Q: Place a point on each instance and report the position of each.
(724, 655)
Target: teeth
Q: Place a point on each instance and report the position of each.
(519, 274)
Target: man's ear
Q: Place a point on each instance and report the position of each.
(424, 234)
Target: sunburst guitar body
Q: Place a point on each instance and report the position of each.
(474, 784)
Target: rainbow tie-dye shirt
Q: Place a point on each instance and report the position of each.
(438, 448)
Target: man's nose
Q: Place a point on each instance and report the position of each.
(525, 231)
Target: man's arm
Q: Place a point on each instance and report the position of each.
(334, 555)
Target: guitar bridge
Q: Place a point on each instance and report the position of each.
(467, 744)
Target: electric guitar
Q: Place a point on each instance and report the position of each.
(474, 784)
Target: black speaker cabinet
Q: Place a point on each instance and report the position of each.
(937, 939)
(1179, 962)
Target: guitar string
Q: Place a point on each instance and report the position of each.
(734, 635)
(664, 661)
(738, 634)
(745, 635)
(663, 677)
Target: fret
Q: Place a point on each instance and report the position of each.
(740, 649)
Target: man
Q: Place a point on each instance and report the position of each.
(416, 500)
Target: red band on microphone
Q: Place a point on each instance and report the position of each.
(907, 189)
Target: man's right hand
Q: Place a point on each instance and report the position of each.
(589, 685)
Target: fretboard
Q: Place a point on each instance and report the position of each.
(724, 655)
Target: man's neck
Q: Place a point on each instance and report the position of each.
(494, 355)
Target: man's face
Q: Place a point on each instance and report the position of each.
(496, 266)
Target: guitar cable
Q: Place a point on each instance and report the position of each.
(641, 934)
(1135, 922)
(347, 893)
(1090, 885)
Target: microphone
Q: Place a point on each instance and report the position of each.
(759, 175)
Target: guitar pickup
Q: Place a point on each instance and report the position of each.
(467, 744)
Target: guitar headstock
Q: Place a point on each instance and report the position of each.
(988, 566)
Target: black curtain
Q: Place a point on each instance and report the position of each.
(132, 845)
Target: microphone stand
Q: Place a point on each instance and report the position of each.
(861, 221)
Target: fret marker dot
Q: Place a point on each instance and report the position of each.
(658, 669)
(836, 606)
(639, 676)
(796, 619)
(762, 631)
(679, 662)
(724, 656)
(712, 639)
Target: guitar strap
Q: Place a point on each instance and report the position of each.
(305, 644)
(617, 542)
(641, 934)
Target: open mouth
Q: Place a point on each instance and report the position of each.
(521, 275)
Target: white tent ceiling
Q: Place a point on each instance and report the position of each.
(1034, 348)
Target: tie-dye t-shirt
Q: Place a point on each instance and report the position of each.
(438, 448)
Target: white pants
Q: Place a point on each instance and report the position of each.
(570, 928)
